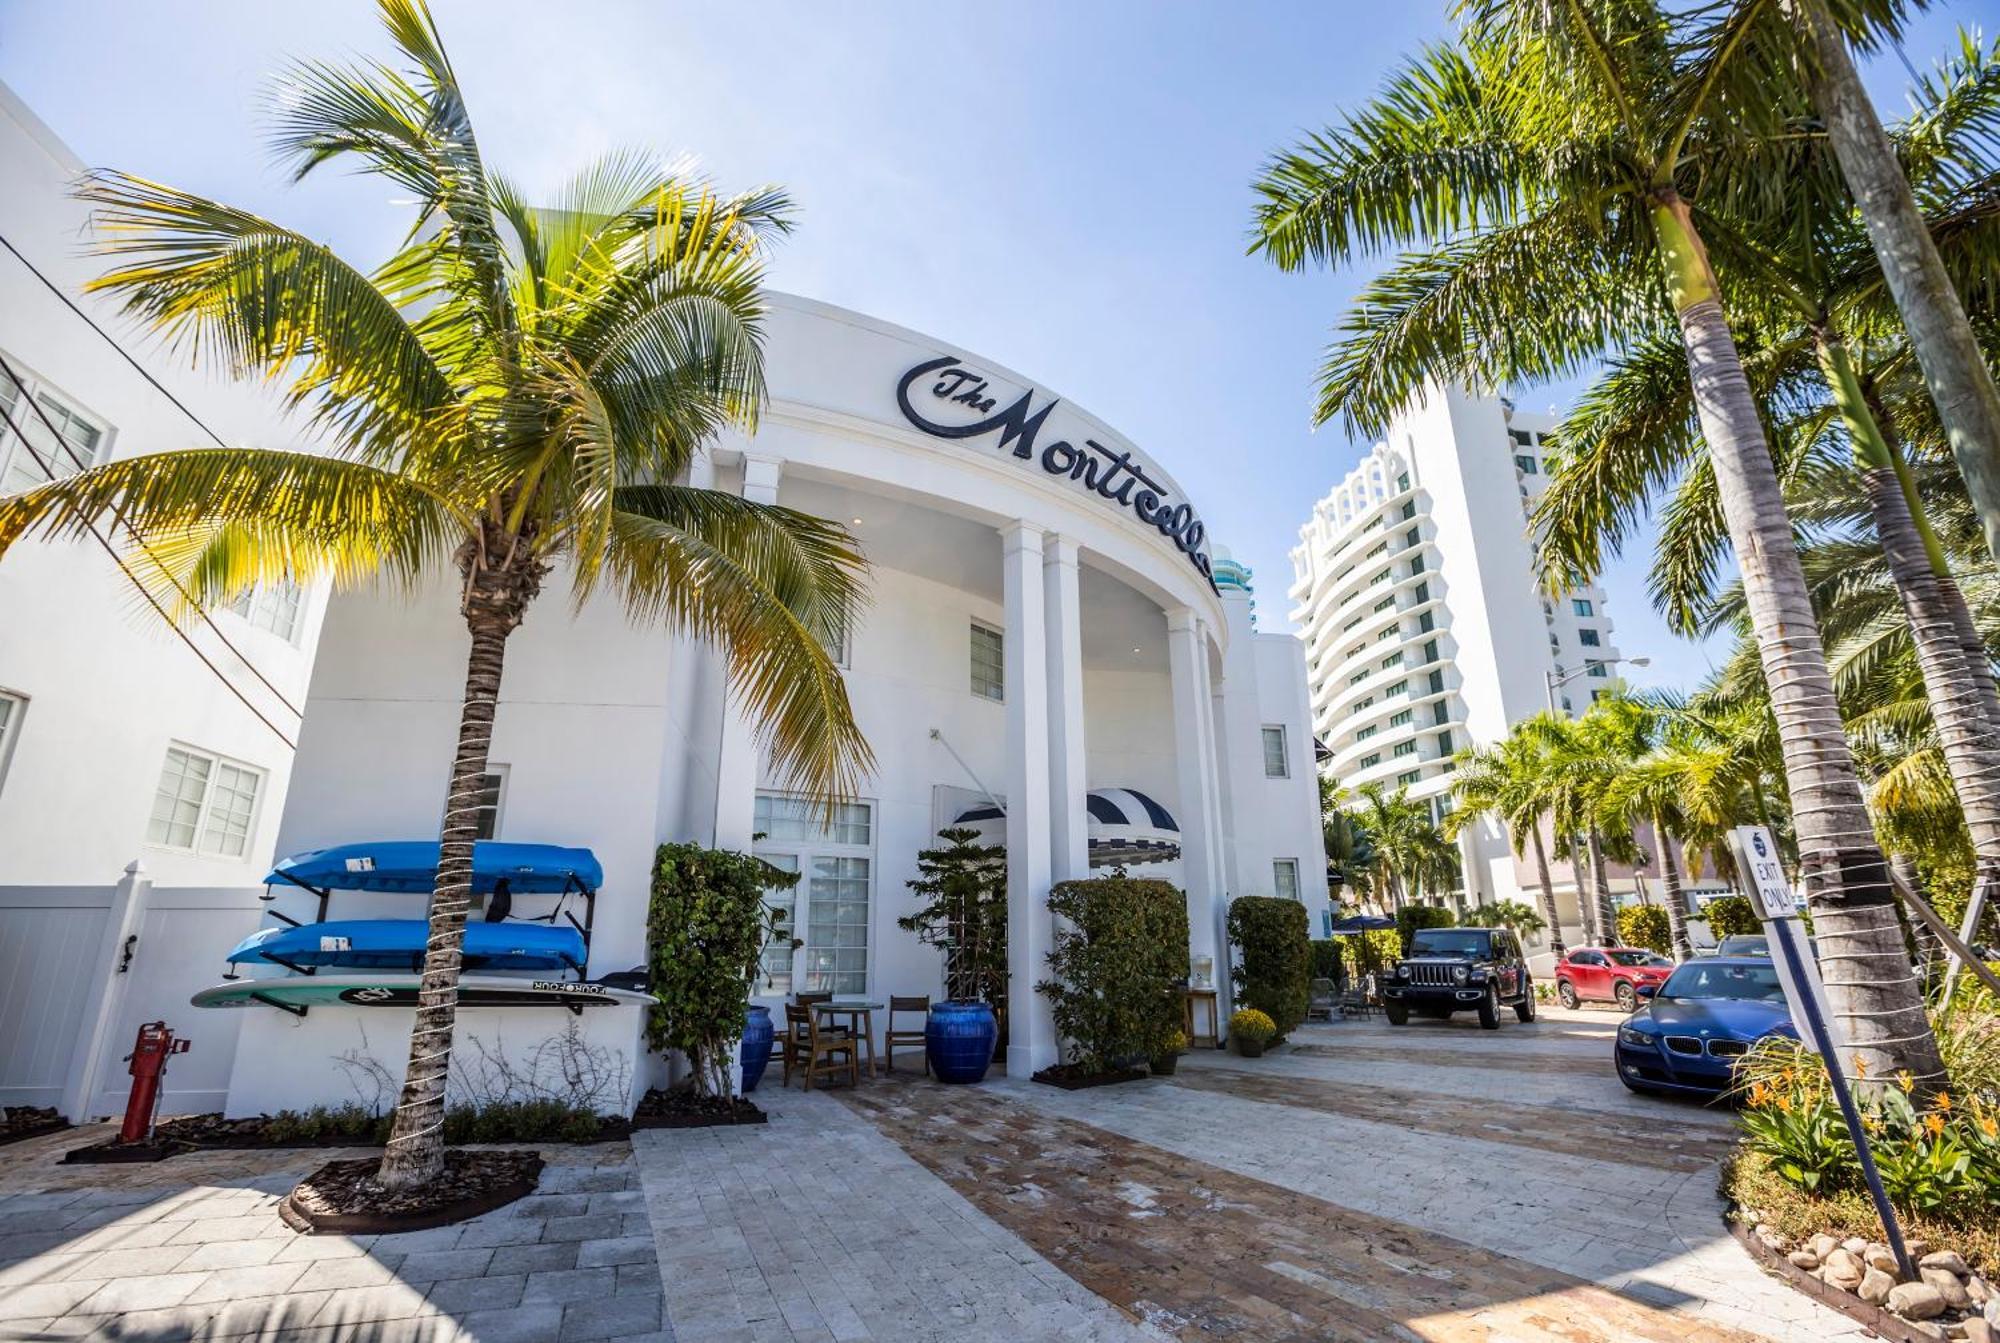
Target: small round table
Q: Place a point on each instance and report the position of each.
(860, 1016)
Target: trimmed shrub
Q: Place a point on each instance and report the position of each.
(1327, 962)
(1119, 968)
(1729, 915)
(1646, 926)
(705, 932)
(1252, 1025)
(1412, 917)
(1272, 938)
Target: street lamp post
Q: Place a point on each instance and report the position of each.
(1554, 682)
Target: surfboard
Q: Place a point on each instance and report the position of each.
(296, 993)
(398, 944)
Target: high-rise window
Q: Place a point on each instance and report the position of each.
(1409, 509)
(1363, 734)
(1588, 638)
(1444, 743)
(1384, 604)
(1416, 565)
(1409, 777)
(1413, 537)
(1405, 748)
(1581, 606)
(1422, 591)
(1430, 650)
(1399, 688)
(989, 674)
(1373, 758)
(1393, 660)
(1522, 437)
(1399, 718)
(204, 804)
(1597, 669)
(1526, 464)
(1276, 763)
(1426, 622)
(1402, 482)
(1437, 683)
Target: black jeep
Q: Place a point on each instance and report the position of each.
(1452, 969)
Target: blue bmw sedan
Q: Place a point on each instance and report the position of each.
(1686, 1040)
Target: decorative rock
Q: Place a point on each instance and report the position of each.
(1992, 1310)
(1823, 1245)
(1775, 1239)
(1948, 1286)
(1880, 1256)
(1979, 1331)
(1854, 1245)
(1917, 1248)
(1875, 1286)
(1948, 1260)
(1843, 1269)
(1804, 1259)
(1980, 1290)
(1916, 1300)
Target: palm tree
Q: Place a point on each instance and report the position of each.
(1672, 787)
(1546, 162)
(515, 391)
(1407, 851)
(1349, 852)
(1511, 780)
(1961, 381)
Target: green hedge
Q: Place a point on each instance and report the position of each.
(1412, 917)
(1646, 926)
(1119, 968)
(1728, 915)
(1275, 946)
(705, 931)
(1327, 962)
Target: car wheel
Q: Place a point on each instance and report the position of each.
(1628, 997)
(1489, 1010)
(1566, 992)
(1525, 1009)
(1398, 1015)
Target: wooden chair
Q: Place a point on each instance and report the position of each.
(822, 1049)
(891, 1037)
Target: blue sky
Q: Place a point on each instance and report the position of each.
(1062, 187)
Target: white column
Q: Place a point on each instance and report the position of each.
(1186, 659)
(1069, 826)
(1031, 1034)
(736, 757)
(1212, 772)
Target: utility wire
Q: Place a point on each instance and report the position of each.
(151, 600)
(179, 405)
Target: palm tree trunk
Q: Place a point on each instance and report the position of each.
(1600, 892)
(1875, 1000)
(1930, 951)
(1549, 911)
(498, 587)
(1670, 877)
(1961, 384)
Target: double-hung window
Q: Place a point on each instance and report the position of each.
(1285, 878)
(1589, 638)
(1581, 606)
(835, 892)
(1276, 765)
(273, 607)
(989, 674)
(1526, 463)
(204, 804)
(44, 455)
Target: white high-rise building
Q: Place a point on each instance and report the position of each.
(1426, 625)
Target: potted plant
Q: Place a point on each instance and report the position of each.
(964, 914)
(1168, 1056)
(1251, 1030)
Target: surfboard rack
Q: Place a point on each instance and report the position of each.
(298, 1010)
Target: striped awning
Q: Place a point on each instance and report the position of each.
(1127, 828)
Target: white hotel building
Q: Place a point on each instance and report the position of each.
(1424, 619)
(1048, 629)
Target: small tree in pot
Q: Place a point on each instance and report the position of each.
(964, 889)
(706, 927)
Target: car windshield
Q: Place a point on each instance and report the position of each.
(1638, 958)
(1448, 942)
(1744, 944)
(1755, 983)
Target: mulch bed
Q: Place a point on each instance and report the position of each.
(1073, 1077)
(342, 1197)
(212, 1133)
(681, 1108)
(20, 1122)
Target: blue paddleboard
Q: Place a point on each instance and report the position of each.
(398, 944)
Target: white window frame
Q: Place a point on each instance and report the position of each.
(19, 408)
(998, 693)
(257, 607)
(840, 648)
(16, 705)
(1279, 867)
(1582, 606)
(205, 812)
(804, 850)
(1284, 762)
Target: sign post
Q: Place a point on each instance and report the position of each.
(1757, 858)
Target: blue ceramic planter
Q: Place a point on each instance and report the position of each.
(756, 1052)
(959, 1038)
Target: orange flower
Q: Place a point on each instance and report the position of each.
(1944, 1102)
(1860, 1066)
(1907, 1081)
(1935, 1123)
(1989, 1126)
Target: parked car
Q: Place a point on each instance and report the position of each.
(1459, 969)
(1687, 1038)
(1609, 975)
(1744, 944)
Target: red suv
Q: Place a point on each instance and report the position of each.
(1609, 974)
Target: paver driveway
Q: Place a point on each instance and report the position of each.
(1433, 1182)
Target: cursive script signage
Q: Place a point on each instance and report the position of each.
(1113, 476)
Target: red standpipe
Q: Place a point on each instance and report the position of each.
(149, 1064)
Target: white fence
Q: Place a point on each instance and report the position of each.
(82, 966)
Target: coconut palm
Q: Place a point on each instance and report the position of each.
(1511, 780)
(1407, 851)
(1960, 378)
(515, 391)
(1672, 787)
(1544, 165)
(1349, 852)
